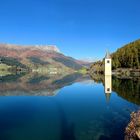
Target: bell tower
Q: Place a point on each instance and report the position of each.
(108, 64)
(108, 76)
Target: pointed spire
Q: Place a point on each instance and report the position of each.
(107, 55)
(107, 95)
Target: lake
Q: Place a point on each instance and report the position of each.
(66, 107)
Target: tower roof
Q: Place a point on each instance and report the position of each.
(108, 56)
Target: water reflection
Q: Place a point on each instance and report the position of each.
(108, 86)
(78, 112)
(50, 85)
(36, 84)
(126, 87)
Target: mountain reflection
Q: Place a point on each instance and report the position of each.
(36, 84)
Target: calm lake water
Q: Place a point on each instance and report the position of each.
(72, 107)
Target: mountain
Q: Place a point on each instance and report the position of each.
(38, 57)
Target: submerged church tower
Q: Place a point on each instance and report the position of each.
(108, 76)
(108, 64)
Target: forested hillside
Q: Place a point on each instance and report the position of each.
(127, 56)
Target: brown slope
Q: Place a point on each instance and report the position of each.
(22, 53)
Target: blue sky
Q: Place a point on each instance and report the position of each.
(80, 28)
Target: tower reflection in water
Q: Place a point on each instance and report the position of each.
(108, 76)
(108, 86)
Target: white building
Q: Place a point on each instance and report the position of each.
(108, 64)
(108, 76)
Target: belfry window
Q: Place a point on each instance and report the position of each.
(108, 89)
(108, 61)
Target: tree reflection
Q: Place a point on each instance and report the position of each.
(126, 87)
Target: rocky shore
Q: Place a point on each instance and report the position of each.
(132, 131)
